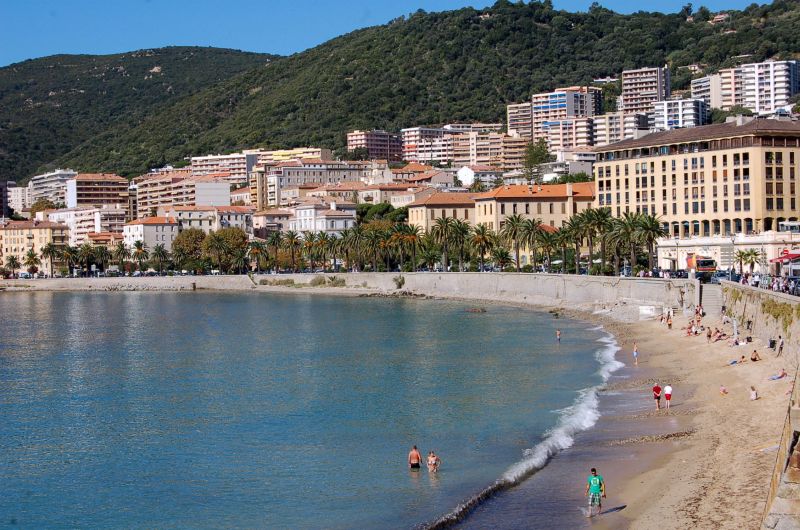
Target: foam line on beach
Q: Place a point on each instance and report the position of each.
(580, 416)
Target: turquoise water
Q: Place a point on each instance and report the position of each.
(265, 411)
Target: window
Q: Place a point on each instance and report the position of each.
(714, 161)
(737, 205)
(769, 157)
(779, 203)
(514, 208)
(527, 208)
(779, 157)
(769, 203)
(769, 188)
(502, 209)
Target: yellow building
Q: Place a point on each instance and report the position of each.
(552, 204)
(424, 212)
(18, 237)
(734, 177)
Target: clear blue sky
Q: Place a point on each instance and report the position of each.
(36, 28)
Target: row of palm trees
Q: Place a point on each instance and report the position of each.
(452, 240)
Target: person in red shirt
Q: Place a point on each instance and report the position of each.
(657, 396)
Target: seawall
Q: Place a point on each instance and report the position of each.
(767, 315)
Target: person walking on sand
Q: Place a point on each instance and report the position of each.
(635, 354)
(780, 345)
(414, 458)
(657, 396)
(595, 491)
(667, 394)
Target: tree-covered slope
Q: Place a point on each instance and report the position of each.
(50, 106)
(432, 68)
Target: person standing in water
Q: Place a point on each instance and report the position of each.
(667, 394)
(414, 458)
(433, 462)
(595, 491)
(657, 396)
(558, 336)
(635, 354)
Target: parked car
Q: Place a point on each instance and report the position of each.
(724, 275)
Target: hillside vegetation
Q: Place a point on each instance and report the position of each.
(50, 106)
(430, 68)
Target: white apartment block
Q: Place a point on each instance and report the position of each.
(617, 126)
(679, 113)
(19, 197)
(51, 186)
(151, 231)
(83, 221)
(321, 217)
(570, 133)
(519, 117)
(234, 168)
(762, 88)
(271, 179)
(211, 218)
(414, 137)
(473, 127)
(173, 189)
(643, 87)
(571, 102)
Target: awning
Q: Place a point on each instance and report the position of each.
(786, 258)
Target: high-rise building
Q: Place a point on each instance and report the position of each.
(571, 102)
(763, 88)
(236, 166)
(83, 221)
(51, 186)
(519, 117)
(570, 133)
(97, 189)
(679, 113)
(719, 179)
(617, 126)
(419, 138)
(643, 87)
(18, 197)
(378, 143)
(175, 189)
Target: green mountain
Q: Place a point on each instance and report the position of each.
(427, 68)
(50, 106)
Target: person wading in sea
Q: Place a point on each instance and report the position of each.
(595, 489)
(414, 458)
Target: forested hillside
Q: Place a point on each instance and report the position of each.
(50, 106)
(429, 68)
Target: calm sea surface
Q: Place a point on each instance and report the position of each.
(174, 410)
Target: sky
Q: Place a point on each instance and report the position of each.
(37, 28)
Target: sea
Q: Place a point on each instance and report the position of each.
(254, 410)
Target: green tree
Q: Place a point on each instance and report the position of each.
(651, 230)
(258, 253)
(482, 239)
(442, 232)
(140, 253)
(159, 255)
(536, 154)
(41, 205)
(121, 253)
(501, 257)
(13, 264)
(32, 261)
(292, 242)
(275, 241)
(102, 256)
(513, 232)
(86, 256)
(50, 253)
(187, 248)
(70, 255)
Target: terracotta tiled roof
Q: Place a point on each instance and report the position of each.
(274, 212)
(546, 191)
(757, 126)
(24, 225)
(548, 228)
(336, 213)
(428, 175)
(415, 167)
(481, 167)
(446, 199)
(153, 221)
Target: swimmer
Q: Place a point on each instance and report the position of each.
(414, 458)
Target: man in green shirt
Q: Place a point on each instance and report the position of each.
(595, 489)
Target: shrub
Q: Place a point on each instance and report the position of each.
(335, 281)
(287, 282)
(527, 268)
(399, 281)
(317, 281)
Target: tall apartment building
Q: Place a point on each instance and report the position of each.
(178, 190)
(237, 166)
(416, 138)
(83, 221)
(473, 127)
(513, 153)
(4, 195)
(617, 126)
(18, 197)
(282, 155)
(643, 87)
(760, 87)
(563, 103)
(269, 180)
(378, 143)
(51, 186)
(570, 133)
(478, 149)
(519, 117)
(679, 113)
(97, 189)
(734, 177)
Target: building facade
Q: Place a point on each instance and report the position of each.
(151, 231)
(179, 190)
(679, 113)
(235, 167)
(424, 212)
(378, 143)
(270, 180)
(83, 221)
(763, 88)
(97, 189)
(734, 177)
(17, 238)
(643, 87)
(51, 186)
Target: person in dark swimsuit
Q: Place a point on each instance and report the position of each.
(414, 458)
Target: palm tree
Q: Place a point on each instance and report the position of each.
(501, 257)
(12, 262)
(740, 256)
(292, 241)
(601, 220)
(216, 246)
(512, 232)
(429, 251)
(240, 260)
(530, 236)
(397, 238)
(102, 255)
(650, 230)
(442, 233)
(413, 240)
(50, 253)
(563, 239)
(482, 239)
(70, 255)
(587, 228)
(32, 260)
(460, 237)
(159, 255)
(548, 243)
(275, 240)
(121, 253)
(310, 247)
(626, 232)
(324, 245)
(575, 230)
(140, 252)
(373, 245)
(85, 255)
(332, 245)
(258, 252)
(752, 257)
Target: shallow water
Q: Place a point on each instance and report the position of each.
(249, 410)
